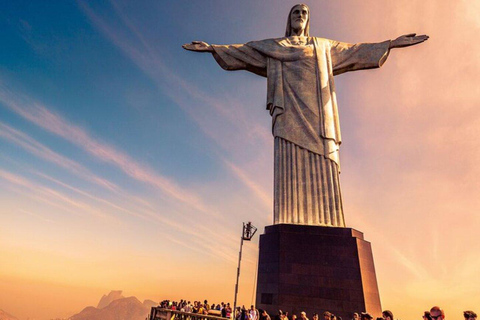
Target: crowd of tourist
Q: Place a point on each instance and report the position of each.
(225, 310)
(220, 310)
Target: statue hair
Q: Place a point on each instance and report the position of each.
(288, 31)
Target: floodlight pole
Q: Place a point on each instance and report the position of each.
(238, 277)
(247, 233)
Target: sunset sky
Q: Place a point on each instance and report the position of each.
(128, 163)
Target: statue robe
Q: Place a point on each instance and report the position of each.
(302, 102)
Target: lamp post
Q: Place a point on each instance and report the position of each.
(247, 233)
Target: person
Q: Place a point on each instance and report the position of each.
(366, 316)
(188, 307)
(302, 102)
(469, 315)
(303, 315)
(327, 315)
(224, 310)
(355, 316)
(265, 315)
(315, 316)
(426, 315)
(252, 313)
(201, 309)
(228, 310)
(436, 313)
(238, 314)
(387, 315)
(244, 315)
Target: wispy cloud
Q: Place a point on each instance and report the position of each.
(28, 143)
(410, 264)
(36, 215)
(51, 196)
(257, 190)
(214, 244)
(149, 59)
(90, 196)
(224, 121)
(54, 123)
(21, 139)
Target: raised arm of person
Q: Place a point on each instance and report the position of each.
(350, 57)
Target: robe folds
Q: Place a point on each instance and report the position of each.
(302, 102)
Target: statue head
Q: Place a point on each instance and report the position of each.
(298, 19)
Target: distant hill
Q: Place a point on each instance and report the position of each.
(149, 304)
(106, 300)
(6, 316)
(119, 309)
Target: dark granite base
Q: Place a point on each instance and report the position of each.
(314, 269)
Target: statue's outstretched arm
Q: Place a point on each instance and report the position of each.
(408, 40)
(233, 56)
(198, 46)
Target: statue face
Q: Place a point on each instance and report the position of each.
(299, 17)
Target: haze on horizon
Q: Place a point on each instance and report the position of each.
(128, 163)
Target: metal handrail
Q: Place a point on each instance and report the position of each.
(158, 313)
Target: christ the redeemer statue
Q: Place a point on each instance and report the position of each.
(302, 102)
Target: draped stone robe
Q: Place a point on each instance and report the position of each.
(301, 100)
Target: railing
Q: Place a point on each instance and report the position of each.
(158, 313)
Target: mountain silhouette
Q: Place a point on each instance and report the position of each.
(119, 309)
(106, 300)
(6, 316)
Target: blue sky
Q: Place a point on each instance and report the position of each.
(118, 149)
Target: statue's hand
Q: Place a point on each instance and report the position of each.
(199, 46)
(408, 40)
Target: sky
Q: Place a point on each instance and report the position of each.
(128, 163)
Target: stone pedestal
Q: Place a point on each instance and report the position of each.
(314, 269)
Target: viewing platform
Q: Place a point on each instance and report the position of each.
(158, 313)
